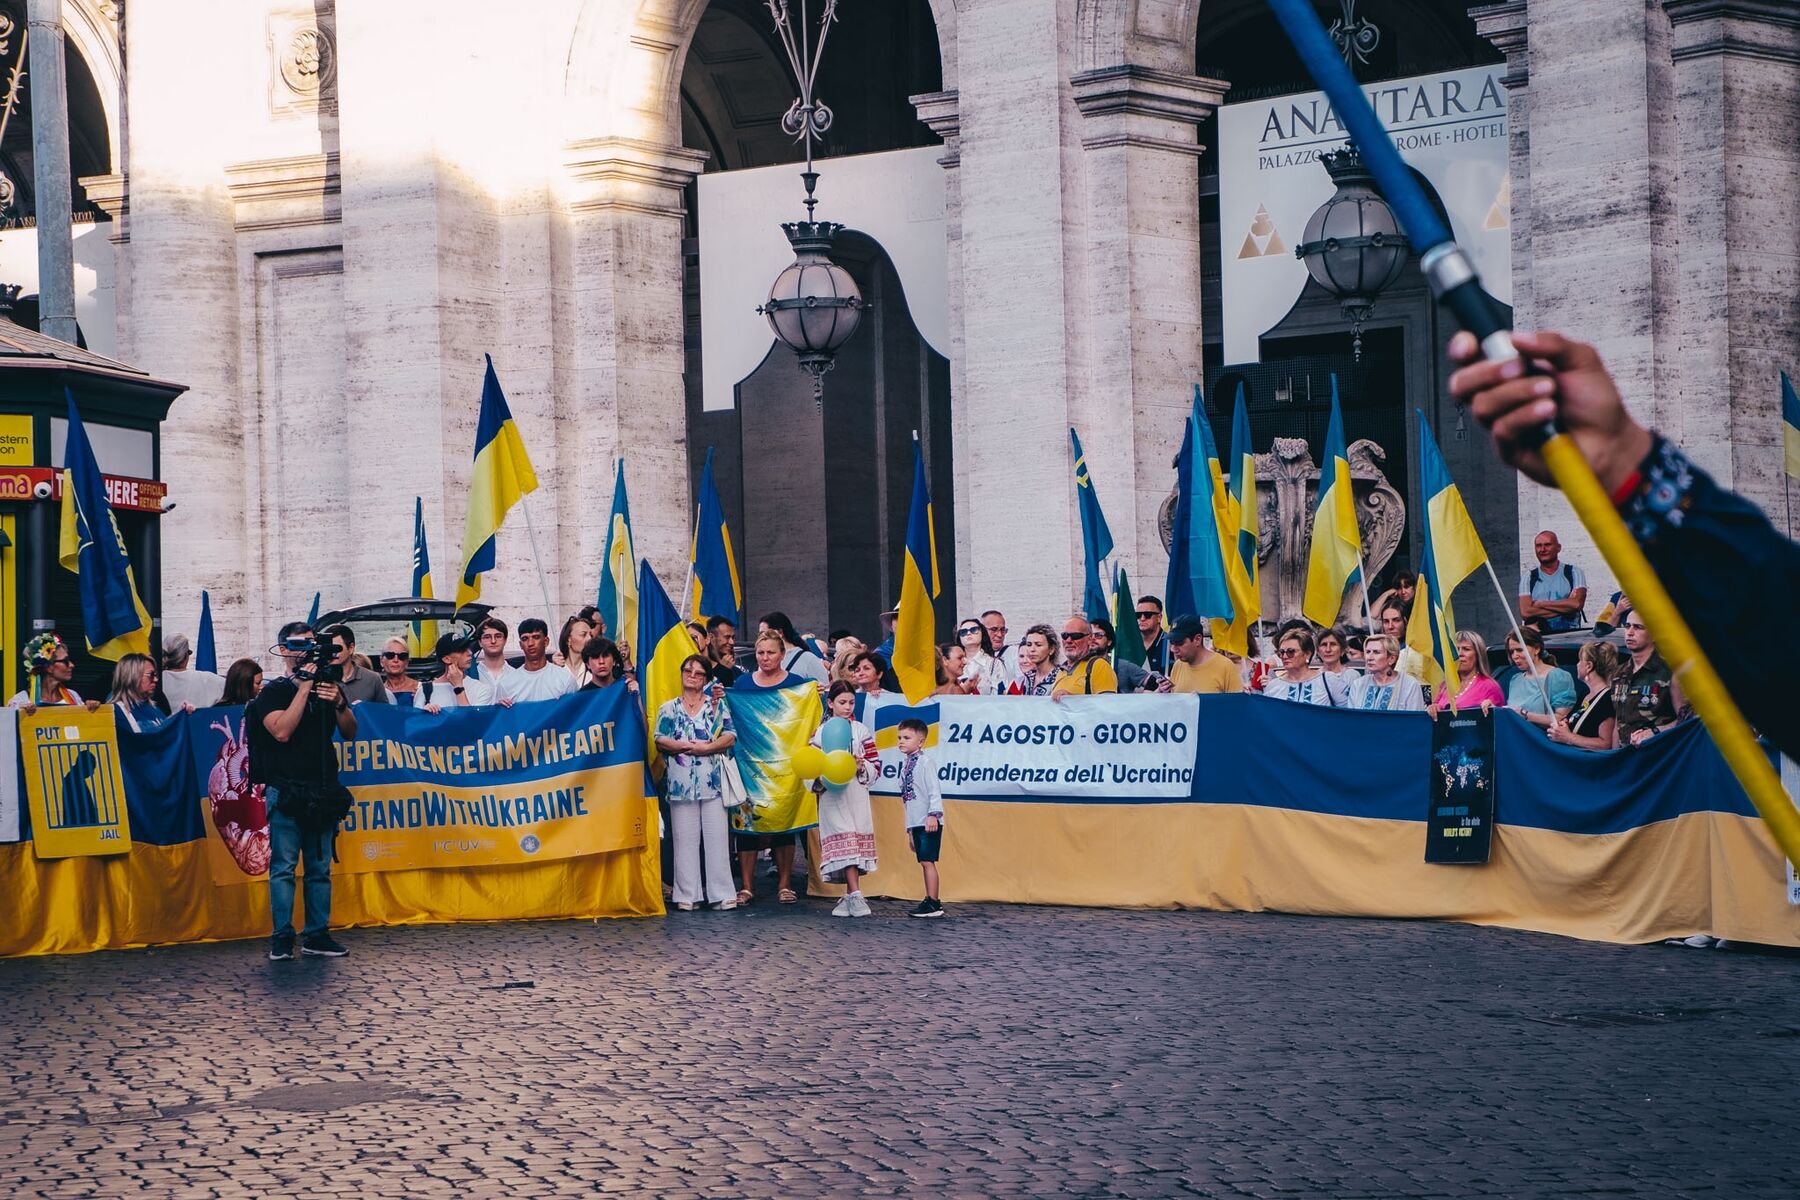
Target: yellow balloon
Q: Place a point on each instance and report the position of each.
(809, 762)
(840, 768)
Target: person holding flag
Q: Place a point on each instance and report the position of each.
(1453, 552)
(1096, 538)
(1197, 583)
(502, 477)
(422, 637)
(915, 643)
(112, 612)
(1335, 560)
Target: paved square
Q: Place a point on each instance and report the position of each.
(1005, 1051)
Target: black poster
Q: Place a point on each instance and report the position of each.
(1459, 826)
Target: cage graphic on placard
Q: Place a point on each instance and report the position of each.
(84, 793)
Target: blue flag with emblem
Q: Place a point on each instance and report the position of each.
(112, 613)
(206, 654)
(1096, 538)
(422, 637)
(502, 476)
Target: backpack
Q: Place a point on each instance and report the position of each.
(1568, 574)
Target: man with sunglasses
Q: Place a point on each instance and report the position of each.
(1158, 653)
(1087, 672)
(1647, 698)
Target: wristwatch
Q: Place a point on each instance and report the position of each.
(457, 690)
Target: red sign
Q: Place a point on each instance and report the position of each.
(45, 483)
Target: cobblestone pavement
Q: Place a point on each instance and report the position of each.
(1000, 1052)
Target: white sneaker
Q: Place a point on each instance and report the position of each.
(844, 908)
(725, 906)
(1698, 941)
(858, 906)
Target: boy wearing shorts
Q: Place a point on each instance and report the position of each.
(924, 810)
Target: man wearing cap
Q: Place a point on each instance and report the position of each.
(1197, 668)
(180, 685)
(455, 686)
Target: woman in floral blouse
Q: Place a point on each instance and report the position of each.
(694, 734)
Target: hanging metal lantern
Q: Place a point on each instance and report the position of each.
(1353, 246)
(814, 305)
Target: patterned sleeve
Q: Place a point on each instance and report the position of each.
(869, 751)
(665, 721)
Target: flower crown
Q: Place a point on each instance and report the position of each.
(40, 650)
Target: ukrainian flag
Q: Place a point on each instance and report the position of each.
(662, 643)
(618, 600)
(1239, 535)
(1096, 538)
(1790, 427)
(884, 723)
(718, 591)
(1452, 553)
(1197, 584)
(1333, 564)
(915, 633)
(424, 634)
(112, 612)
(501, 478)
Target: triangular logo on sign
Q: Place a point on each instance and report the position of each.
(1499, 216)
(1262, 240)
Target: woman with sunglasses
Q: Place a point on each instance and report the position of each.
(983, 673)
(401, 688)
(49, 670)
(1300, 681)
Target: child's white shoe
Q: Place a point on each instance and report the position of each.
(844, 908)
(858, 906)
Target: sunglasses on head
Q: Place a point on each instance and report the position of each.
(395, 654)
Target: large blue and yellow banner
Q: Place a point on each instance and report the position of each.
(771, 726)
(491, 786)
(72, 782)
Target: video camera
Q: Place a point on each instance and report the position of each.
(316, 659)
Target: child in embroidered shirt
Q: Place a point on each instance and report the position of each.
(924, 809)
(846, 825)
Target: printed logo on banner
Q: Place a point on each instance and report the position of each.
(72, 783)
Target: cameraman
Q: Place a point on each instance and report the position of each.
(289, 725)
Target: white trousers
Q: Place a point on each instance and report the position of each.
(690, 820)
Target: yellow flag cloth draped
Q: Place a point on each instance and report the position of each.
(1453, 552)
(915, 632)
(113, 616)
(502, 476)
(1240, 540)
(1332, 563)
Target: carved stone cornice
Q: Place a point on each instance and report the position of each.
(1503, 25)
(941, 112)
(1764, 29)
(109, 194)
(630, 174)
(286, 193)
(1130, 105)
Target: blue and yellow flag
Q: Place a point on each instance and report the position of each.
(1197, 583)
(422, 638)
(771, 727)
(663, 642)
(112, 613)
(1334, 562)
(1452, 553)
(206, 652)
(1096, 538)
(1247, 597)
(718, 590)
(1230, 632)
(915, 631)
(501, 478)
(1790, 427)
(618, 600)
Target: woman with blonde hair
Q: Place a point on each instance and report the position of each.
(1038, 670)
(1381, 687)
(1476, 685)
(401, 688)
(1591, 726)
(134, 693)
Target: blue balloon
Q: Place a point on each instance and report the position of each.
(835, 735)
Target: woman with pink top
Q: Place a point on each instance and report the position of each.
(1477, 683)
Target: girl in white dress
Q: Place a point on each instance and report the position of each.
(846, 824)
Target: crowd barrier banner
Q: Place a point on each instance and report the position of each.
(164, 890)
(770, 727)
(72, 782)
(1459, 824)
(491, 786)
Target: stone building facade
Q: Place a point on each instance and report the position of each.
(325, 213)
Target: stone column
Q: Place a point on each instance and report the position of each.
(50, 166)
(940, 111)
(1141, 294)
(619, 359)
(1504, 26)
(1737, 73)
(1597, 201)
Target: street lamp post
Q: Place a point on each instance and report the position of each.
(1353, 246)
(814, 305)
